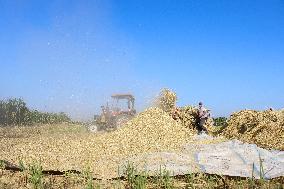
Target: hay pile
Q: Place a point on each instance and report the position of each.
(264, 128)
(154, 129)
(151, 131)
(188, 117)
(166, 100)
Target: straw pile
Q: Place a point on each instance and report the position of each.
(264, 128)
(151, 131)
(209, 124)
(188, 117)
(167, 100)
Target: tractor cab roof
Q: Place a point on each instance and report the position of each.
(123, 96)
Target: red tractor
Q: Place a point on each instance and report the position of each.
(114, 116)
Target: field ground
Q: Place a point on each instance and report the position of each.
(18, 138)
(21, 180)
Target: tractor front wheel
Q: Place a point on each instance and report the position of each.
(121, 120)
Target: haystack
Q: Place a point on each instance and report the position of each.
(152, 130)
(264, 128)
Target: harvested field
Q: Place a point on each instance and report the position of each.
(151, 131)
(264, 128)
(39, 130)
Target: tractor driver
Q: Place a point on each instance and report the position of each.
(103, 117)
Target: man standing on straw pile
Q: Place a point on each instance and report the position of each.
(203, 115)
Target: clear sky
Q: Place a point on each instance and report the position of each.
(71, 55)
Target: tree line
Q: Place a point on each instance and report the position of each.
(14, 111)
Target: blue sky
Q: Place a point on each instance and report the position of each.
(72, 55)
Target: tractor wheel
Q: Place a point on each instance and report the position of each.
(93, 128)
(122, 120)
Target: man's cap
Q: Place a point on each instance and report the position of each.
(200, 103)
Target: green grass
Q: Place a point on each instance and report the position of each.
(22, 165)
(2, 164)
(164, 179)
(35, 175)
(130, 172)
(141, 181)
(88, 176)
(135, 179)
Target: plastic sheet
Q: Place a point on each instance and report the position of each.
(232, 158)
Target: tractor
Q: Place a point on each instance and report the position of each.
(114, 116)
